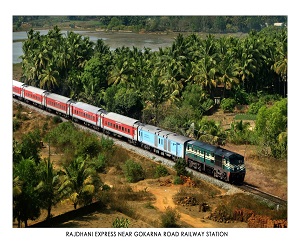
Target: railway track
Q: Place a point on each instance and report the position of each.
(246, 187)
(269, 197)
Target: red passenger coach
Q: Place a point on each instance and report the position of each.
(86, 113)
(34, 95)
(17, 89)
(120, 125)
(58, 103)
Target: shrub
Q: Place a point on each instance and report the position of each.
(254, 107)
(170, 218)
(120, 223)
(106, 144)
(99, 162)
(133, 171)
(228, 104)
(180, 167)
(160, 171)
(149, 205)
(57, 119)
(16, 125)
(177, 180)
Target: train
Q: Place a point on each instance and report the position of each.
(213, 160)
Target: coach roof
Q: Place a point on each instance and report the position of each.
(34, 89)
(224, 152)
(202, 145)
(164, 133)
(57, 97)
(149, 128)
(86, 107)
(17, 84)
(178, 138)
(120, 118)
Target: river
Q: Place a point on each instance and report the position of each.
(112, 39)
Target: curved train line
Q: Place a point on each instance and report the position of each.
(169, 163)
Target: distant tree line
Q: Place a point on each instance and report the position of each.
(212, 24)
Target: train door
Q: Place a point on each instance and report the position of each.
(141, 135)
(155, 140)
(218, 160)
(160, 142)
(167, 145)
(179, 150)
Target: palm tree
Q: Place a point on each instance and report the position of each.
(49, 78)
(280, 64)
(204, 69)
(80, 182)
(204, 74)
(26, 198)
(92, 94)
(101, 47)
(157, 94)
(79, 50)
(48, 185)
(250, 54)
(118, 73)
(228, 73)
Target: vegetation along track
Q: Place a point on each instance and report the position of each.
(246, 187)
(269, 197)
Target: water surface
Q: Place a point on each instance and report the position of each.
(112, 39)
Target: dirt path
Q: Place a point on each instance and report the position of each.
(164, 198)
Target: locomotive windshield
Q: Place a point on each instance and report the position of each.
(236, 160)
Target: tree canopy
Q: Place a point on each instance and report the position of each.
(172, 87)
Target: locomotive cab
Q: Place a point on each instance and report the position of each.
(237, 168)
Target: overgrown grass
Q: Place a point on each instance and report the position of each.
(169, 219)
(119, 196)
(225, 211)
(199, 195)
